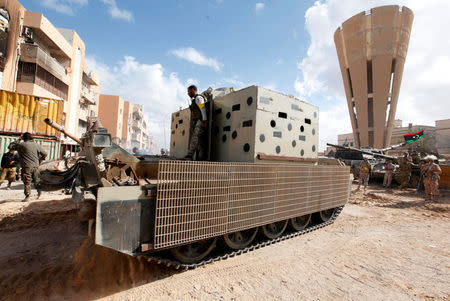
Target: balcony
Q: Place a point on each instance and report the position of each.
(43, 30)
(91, 78)
(83, 113)
(35, 80)
(136, 137)
(136, 125)
(31, 53)
(89, 95)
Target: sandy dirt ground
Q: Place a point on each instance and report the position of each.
(391, 246)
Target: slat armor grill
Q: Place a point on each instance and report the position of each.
(199, 200)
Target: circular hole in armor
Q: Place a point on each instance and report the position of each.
(176, 125)
(246, 147)
(302, 129)
(289, 127)
(234, 135)
(313, 148)
(315, 114)
(313, 131)
(262, 137)
(273, 123)
(302, 152)
(294, 143)
(278, 149)
(183, 132)
(250, 101)
(224, 138)
(228, 115)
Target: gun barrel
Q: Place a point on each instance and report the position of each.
(61, 129)
(375, 155)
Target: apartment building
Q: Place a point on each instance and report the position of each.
(111, 112)
(126, 123)
(39, 59)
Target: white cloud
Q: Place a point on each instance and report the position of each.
(118, 13)
(160, 93)
(426, 79)
(191, 81)
(192, 55)
(259, 6)
(64, 6)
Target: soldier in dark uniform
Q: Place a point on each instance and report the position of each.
(10, 161)
(30, 156)
(415, 158)
(199, 125)
(405, 167)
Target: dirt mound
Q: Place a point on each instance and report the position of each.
(100, 271)
(401, 199)
(48, 256)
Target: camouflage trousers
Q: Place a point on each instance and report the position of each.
(363, 180)
(387, 179)
(404, 179)
(30, 175)
(8, 174)
(198, 141)
(431, 187)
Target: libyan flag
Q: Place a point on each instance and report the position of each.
(410, 138)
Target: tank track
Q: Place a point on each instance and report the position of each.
(257, 245)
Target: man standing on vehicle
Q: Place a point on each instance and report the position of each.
(389, 170)
(10, 161)
(364, 173)
(30, 156)
(199, 125)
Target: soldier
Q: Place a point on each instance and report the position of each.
(10, 161)
(415, 158)
(389, 170)
(405, 170)
(30, 156)
(420, 184)
(199, 125)
(364, 173)
(431, 178)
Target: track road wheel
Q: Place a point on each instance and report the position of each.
(240, 239)
(326, 215)
(194, 252)
(301, 222)
(274, 230)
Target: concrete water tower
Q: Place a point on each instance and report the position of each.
(371, 48)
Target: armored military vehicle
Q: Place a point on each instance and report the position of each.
(377, 158)
(263, 184)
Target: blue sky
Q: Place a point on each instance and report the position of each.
(256, 46)
(149, 51)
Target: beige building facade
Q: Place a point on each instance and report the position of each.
(48, 62)
(443, 136)
(126, 123)
(371, 48)
(111, 111)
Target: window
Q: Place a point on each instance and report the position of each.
(350, 82)
(370, 111)
(369, 77)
